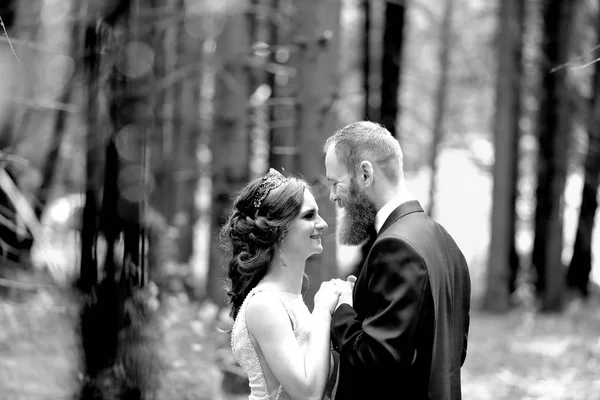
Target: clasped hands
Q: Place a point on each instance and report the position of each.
(335, 292)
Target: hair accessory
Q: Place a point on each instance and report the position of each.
(272, 180)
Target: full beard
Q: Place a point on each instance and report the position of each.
(358, 222)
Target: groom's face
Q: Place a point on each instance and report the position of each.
(359, 217)
(359, 212)
(339, 178)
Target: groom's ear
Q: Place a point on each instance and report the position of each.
(366, 173)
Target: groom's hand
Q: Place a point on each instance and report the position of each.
(351, 279)
(346, 288)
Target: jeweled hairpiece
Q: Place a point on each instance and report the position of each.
(272, 180)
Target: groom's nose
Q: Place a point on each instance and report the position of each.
(332, 194)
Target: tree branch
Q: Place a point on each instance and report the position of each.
(7, 38)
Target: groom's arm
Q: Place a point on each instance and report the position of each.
(331, 387)
(397, 279)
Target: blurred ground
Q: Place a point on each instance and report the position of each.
(511, 357)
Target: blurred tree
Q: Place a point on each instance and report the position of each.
(506, 128)
(175, 139)
(393, 39)
(262, 17)
(230, 140)
(578, 274)
(317, 37)
(446, 43)
(94, 143)
(373, 54)
(22, 128)
(116, 316)
(164, 158)
(366, 62)
(184, 160)
(283, 154)
(59, 126)
(7, 12)
(554, 132)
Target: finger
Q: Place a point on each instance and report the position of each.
(351, 279)
(326, 284)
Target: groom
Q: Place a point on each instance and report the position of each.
(402, 332)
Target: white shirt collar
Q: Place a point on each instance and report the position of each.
(385, 211)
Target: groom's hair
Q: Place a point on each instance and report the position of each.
(368, 141)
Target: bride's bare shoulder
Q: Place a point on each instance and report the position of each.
(265, 313)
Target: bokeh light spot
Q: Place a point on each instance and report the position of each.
(130, 142)
(54, 12)
(204, 26)
(260, 95)
(282, 55)
(135, 185)
(59, 70)
(281, 79)
(261, 49)
(138, 59)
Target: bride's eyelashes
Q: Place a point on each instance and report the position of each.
(309, 215)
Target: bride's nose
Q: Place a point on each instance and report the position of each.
(321, 224)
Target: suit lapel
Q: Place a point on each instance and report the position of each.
(403, 209)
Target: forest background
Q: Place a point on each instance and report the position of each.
(127, 126)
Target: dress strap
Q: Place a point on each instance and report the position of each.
(290, 313)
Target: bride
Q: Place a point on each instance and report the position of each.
(284, 348)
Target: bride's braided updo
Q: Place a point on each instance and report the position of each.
(261, 215)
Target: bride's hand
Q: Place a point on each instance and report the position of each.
(327, 296)
(346, 289)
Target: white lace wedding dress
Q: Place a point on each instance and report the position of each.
(247, 356)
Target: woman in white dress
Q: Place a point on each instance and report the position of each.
(272, 230)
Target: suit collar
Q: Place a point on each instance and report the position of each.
(403, 209)
(386, 211)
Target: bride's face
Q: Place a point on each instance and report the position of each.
(303, 237)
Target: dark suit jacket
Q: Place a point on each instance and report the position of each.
(406, 335)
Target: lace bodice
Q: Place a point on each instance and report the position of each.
(247, 356)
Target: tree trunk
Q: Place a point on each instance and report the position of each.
(373, 52)
(166, 165)
(186, 146)
(446, 33)
(262, 22)
(116, 320)
(230, 140)
(7, 12)
(366, 62)
(283, 148)
(94, 145)
(506, 135)
(393, 40)
(578, 274)
(317, 37)
(555, 124)
(51, 162)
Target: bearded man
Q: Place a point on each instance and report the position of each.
(401, 332)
